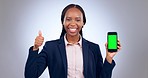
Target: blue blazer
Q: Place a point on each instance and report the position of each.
(53, 55)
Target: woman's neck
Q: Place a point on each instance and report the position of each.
(72, 39)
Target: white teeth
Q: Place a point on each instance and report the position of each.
(72, 29)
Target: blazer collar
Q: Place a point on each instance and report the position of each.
(63, 53)
(85, 49)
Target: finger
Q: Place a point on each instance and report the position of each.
(40, 33)
(39, 40)
(119, 44)
(38, 43)
(119, 48)
(106, 44)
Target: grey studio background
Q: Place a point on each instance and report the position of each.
(20, 21)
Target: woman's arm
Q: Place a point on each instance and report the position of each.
(36, 63)
(104, 70)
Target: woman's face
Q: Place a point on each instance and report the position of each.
(73, 21)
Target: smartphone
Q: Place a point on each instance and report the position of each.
(112, 41)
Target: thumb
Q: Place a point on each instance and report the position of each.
(40, 33)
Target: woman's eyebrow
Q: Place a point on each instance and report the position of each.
(71, 17)
(68, 16)
(78, 17)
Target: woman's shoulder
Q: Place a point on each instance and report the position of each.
(52, 42)
(91, 43)
(93, 46)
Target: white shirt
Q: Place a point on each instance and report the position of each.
(74, 59)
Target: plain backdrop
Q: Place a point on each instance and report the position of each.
(20, 21)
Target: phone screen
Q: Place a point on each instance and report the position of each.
(112, 41)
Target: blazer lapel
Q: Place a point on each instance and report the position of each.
(85, 48)
(63, 53)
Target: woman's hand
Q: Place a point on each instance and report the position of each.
(38, 41)
(110, 55)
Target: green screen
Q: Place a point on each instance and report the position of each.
(112, 41)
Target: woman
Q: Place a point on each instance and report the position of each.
(71, 56)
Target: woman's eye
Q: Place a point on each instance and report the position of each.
(68, 19)
(78, 20)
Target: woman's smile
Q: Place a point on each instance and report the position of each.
(72, 30)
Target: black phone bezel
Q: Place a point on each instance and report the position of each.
(112, 33)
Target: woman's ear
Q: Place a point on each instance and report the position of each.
(83, 25)
(63, 24)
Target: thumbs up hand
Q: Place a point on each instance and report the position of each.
(38, 41)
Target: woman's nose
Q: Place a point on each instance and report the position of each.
(73, 22)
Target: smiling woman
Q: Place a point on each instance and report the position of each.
(71, 56)
(20, 21)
